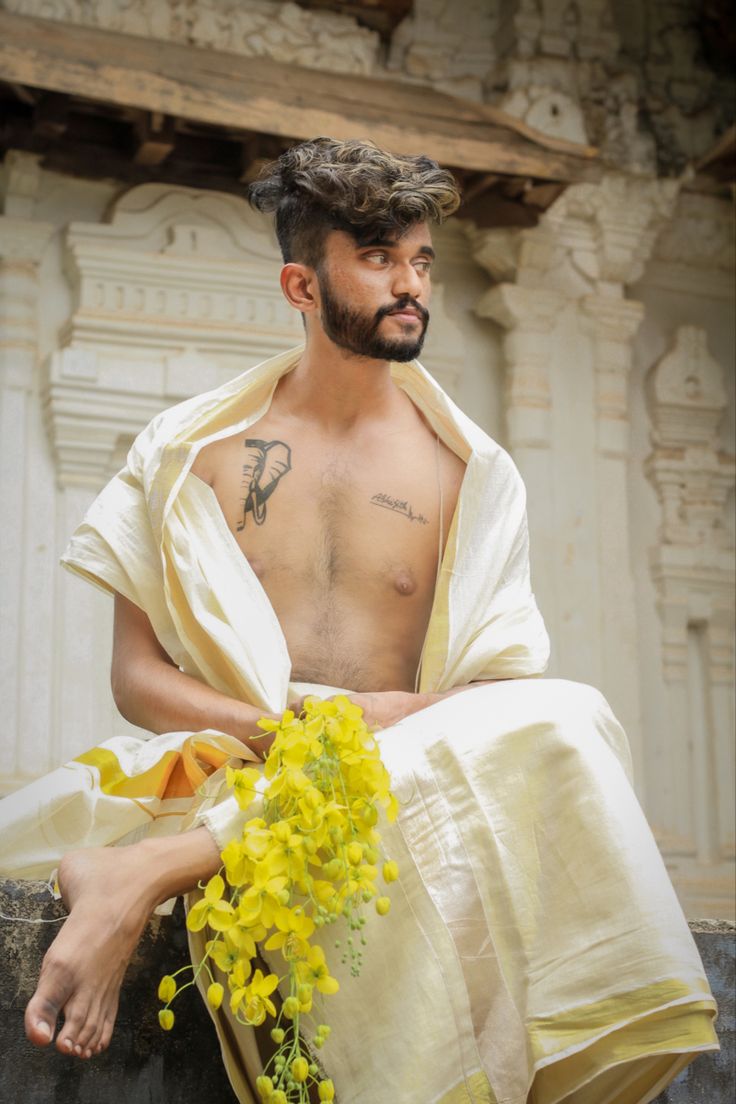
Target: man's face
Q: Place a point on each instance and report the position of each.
(374, 298)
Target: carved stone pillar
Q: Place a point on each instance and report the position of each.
(23, 646)
(612, 324)
(528, 315)
(611, 229)
(693, 569)
(568, 346)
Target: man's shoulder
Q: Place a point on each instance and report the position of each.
(176, 421)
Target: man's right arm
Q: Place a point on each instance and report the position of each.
(150, 691)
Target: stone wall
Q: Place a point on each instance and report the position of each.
(143, 1064)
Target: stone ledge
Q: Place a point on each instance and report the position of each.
(143, 1064)
(147, 1066)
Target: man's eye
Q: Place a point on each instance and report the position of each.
(380, 258)
(423, 266)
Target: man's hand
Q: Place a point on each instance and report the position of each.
(385, 708)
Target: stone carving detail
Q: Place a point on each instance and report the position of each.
(610, 228)
(664, 47)
(546, 71)
(592, 240)
(701, 234)
(177, 292)
(434, 46)
(559, 28)
(693, 565)
(282, 31)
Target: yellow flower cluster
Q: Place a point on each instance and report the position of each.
(309, 859)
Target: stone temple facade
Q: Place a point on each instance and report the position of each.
(597, 345)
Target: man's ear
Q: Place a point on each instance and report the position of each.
(298, 283)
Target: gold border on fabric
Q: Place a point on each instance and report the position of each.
(475, 1089)
(687, 1029)
(571, 1029)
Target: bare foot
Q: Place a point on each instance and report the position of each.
(83, 969)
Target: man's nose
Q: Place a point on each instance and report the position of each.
(407, 281)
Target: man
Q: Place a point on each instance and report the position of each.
(331, 520)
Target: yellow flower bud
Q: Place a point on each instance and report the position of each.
(277, 1034)
(264, 1085)
(326, 1090)
(166, 989)
(166, 1019)
(355, 854)
(300, 1069)
(215, 993)
(390, 871)
(383, 904)
(304, 993)
(369, 815)
(291, 1007)
(324, 1030)
(279, 1097)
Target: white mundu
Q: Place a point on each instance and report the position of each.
(535, 948)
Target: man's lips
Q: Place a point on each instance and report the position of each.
(406, 315)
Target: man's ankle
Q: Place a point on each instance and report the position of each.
(174, 865)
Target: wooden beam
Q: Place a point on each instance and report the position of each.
(256, 94)
(156, 138)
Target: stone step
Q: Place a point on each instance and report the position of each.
(145, 1065)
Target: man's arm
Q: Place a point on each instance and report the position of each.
(151, 692)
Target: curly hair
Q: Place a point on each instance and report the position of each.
(326, 184)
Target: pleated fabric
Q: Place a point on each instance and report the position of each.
(535, 949)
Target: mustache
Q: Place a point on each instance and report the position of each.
(402, 304)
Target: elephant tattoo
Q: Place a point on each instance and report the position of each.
(266, 462)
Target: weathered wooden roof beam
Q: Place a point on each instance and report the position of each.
(257, 94)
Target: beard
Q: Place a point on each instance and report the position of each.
(356, 331)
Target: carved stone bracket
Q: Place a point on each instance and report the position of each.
(609, 229)
(693, 563)
(174, 294)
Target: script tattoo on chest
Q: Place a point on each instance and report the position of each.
(265, 464)
(399, 506)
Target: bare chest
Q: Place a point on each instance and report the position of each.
(326, 519)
